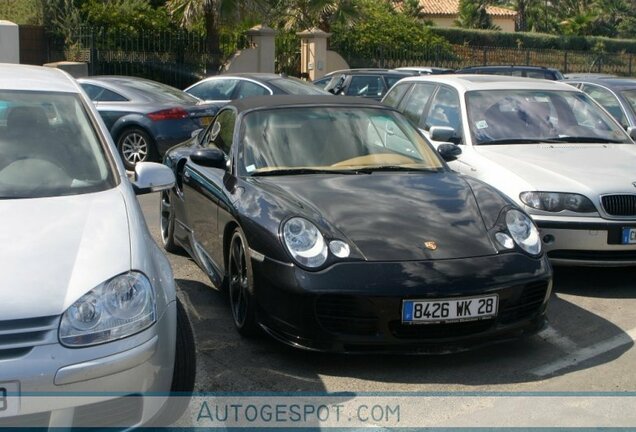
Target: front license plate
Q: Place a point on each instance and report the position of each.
(9, 399)
(445, 310)
(629, 235)
(205, 120)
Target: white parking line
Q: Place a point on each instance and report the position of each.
(187, 304)
(586, 353)
(553, 337)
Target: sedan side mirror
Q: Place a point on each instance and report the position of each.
(632, 132)
(152, 177)
(441, 133)
(209, 157)
(449, 152)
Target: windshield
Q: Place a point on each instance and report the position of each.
(297, 87)
(630, 95)
(528, 116)
(331, 139)
(48, 147)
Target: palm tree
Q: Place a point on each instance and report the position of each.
(306, 14)
(474, 15)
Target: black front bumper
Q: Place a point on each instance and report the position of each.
(356, 306)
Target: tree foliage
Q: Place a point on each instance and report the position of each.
(473, 14)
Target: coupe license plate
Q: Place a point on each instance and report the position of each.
(9, 399)
(629, 235)
(205, 120)
(446, 310)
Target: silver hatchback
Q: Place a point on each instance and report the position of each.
(87, 300)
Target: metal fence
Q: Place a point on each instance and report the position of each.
(462, 55)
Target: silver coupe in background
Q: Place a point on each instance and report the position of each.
(548, 146)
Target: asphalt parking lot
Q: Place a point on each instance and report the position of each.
(588, 345)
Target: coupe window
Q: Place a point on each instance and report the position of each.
(319, 139)
(531, 116)
(48, 147)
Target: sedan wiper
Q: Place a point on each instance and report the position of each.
(294, 171)
(582, 139)
(512, 141)
(395, 168)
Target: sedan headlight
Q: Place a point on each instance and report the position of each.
(523, 232)
(119, 307)
(304, 242)
(557, 201)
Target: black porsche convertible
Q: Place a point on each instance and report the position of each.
(334, 225)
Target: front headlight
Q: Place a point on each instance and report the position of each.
(523, 232)
(557, 201)
(119, 307)
(304, 242)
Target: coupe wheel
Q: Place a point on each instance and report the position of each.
(135, 145)
(241, 286)
(167, 224)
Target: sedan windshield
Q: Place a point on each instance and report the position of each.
(630, 95)
(305, 140)
(48, 147)
(532, 116)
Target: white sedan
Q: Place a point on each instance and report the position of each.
(546, 145)
(88, 306)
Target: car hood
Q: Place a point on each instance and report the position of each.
(57, 249)
(581, 168)
(389, 216)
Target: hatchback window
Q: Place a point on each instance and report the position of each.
(49, 147)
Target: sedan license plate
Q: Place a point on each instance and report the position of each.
(629, 236)
(9, 399)
(205, 120)
(447, 310)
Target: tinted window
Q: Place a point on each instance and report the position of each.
(394, 96)
(218, 89)
(153, 90)
(48, 147)
(101, 94)
(296, 87)
(366, 85)
(391, 80)
(416, 102)
(607, 100)
(249, 89)
(222, 131)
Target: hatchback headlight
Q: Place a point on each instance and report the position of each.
(119, 307)
(557, 201)
(304, 242)
(523, 232)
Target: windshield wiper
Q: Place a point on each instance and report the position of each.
(582, 139)
(395, 168)
(294, 171)
(512, 141)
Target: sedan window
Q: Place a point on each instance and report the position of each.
(249, 89)
(445, 111)
(416, 102)
(48, 147)
(607, 100)
(394, 96)
(218, 89)
(630, 95)
(366, 85)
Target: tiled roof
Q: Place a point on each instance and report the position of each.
(451, 7)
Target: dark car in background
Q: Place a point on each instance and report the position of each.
(145, 117)
(513, 70)
(335, 225)
(224, 88)
(367, 83)
(616, 95)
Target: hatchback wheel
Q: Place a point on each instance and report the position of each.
(135, 145)
(241, 286)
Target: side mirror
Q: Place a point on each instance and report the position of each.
(449, 152)
(195, 133)
(441, 133)
(632, 132)
(152, 177)
(209, 157)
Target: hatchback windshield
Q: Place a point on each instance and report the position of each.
(527, 116)
(332, 139)
(48, 147)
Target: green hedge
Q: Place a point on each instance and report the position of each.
(532, 40)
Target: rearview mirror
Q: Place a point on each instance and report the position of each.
(441, 133)
(449, 152)
(632, 132)
(152, 177)
(209, 157)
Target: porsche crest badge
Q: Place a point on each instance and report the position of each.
(430, 245)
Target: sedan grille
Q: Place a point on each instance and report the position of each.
(619, 205)
(18, 337)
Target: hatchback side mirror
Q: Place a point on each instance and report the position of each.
(152, 177)
(449, 152)
(632, 132)
(209, 157)
(441, 133)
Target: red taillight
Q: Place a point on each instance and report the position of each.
(168, 114)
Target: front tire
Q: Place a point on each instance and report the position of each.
(167, 224)
(134, 146)
(241, 286)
